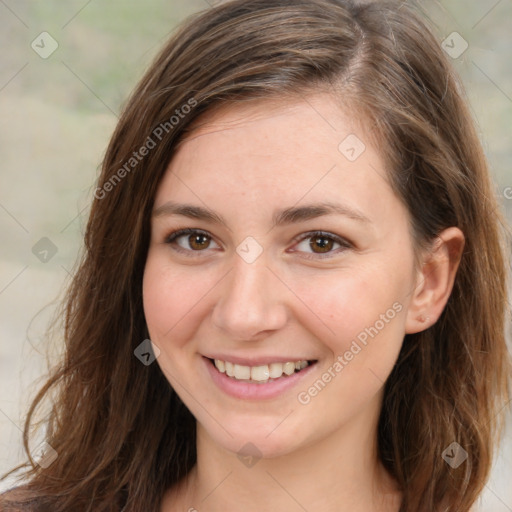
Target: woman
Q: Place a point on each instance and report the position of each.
(296, 211)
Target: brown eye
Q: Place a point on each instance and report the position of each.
(323, 243)
(319, 244)
(198, 242)
(189, 241)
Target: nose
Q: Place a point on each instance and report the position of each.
(251, 301)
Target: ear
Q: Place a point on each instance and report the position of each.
(435, 280)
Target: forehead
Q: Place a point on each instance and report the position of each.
(281, 152)
(322, 112)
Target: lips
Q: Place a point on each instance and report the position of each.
(253, 389)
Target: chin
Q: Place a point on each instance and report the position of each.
(260, 441)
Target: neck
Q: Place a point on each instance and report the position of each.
(341, 472)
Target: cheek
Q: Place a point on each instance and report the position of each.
(366, 315)
(349, 303)
(172, 299)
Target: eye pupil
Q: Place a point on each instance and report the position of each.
(199, 241)
(324, 243)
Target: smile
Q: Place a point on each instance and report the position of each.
(264, 379)
(260, 374)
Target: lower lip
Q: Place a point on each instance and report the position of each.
(255, 391)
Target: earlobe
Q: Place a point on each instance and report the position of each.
(435, 280)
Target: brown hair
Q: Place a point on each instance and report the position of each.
(118, 450)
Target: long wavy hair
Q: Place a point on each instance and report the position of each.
(122, 435)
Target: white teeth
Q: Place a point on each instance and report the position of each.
(275, 370)
(262, 373)
(229, 369)
(289, 368)
(242, 372)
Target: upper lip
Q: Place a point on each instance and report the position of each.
(256, 361)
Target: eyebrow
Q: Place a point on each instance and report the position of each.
(291, 215)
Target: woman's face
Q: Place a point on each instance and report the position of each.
(299, 252)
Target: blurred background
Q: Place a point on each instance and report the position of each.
(65, 70)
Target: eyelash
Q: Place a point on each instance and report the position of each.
(171, 238)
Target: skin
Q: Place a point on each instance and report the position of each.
(245, 163)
